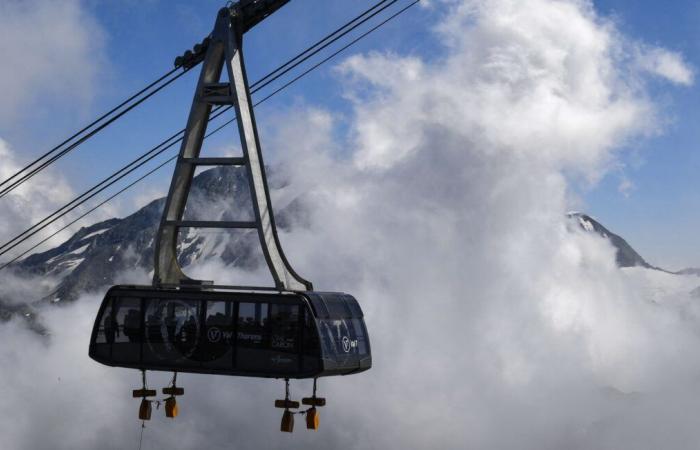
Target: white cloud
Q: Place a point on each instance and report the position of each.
(143, 197)
(666, 64)
(492, 324)
(30, 202)
(50, 51)
(625, 186)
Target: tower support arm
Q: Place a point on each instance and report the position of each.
(224, 53)
(249, 13)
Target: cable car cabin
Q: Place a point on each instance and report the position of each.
(257, 334)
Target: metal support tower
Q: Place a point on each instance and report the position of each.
(224, 49)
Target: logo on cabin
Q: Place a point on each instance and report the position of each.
(214, 335)
(348, 344)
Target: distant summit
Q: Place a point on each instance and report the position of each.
(626, 256)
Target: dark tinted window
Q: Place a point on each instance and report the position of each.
(128, 320)
(253, 337)
(173, 330)
(337, 308)
(339, 341)
(106, 332)
(285, 328)
(361, 336)
(310, 343)
(355, 310)
(284, 334)
(127, 332)
(218, 337)
(106, 327)
(252, 325)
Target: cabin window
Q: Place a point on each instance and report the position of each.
(362, 345)
(339, 339)
(127, 330)
(173, 329)
(285, 328)
(106, 331)
(284, 336)
(106, 328)
(252, 325)
(311, 345)
(337, 309)
(218, 336)
(252, 337)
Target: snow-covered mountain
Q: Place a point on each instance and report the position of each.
(96, 255)
(626, 255)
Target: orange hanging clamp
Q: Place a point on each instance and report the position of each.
(171, 409)
(312, 416)
(312, 420)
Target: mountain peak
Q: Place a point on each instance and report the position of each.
(626, 256)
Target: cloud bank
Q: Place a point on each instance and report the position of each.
(50, 51)
(32, 201)
(493, 324)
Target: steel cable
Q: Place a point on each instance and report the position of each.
(267, 79)
(42, 165)
(151, 154)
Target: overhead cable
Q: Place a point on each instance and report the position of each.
(58, 152)
(111, 197)
(7, 185)
(157, 150)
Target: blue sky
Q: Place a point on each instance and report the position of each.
(142, 40)
(659, 215)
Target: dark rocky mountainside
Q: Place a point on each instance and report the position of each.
(92, 258)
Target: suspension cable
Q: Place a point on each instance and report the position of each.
(267, 79)
(151, 154)
(43, 164)
(339, 51)
(90, 211)
(113, 196)
(325, 42)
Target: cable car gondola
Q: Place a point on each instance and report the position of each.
(181, 325)
(227, 332)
